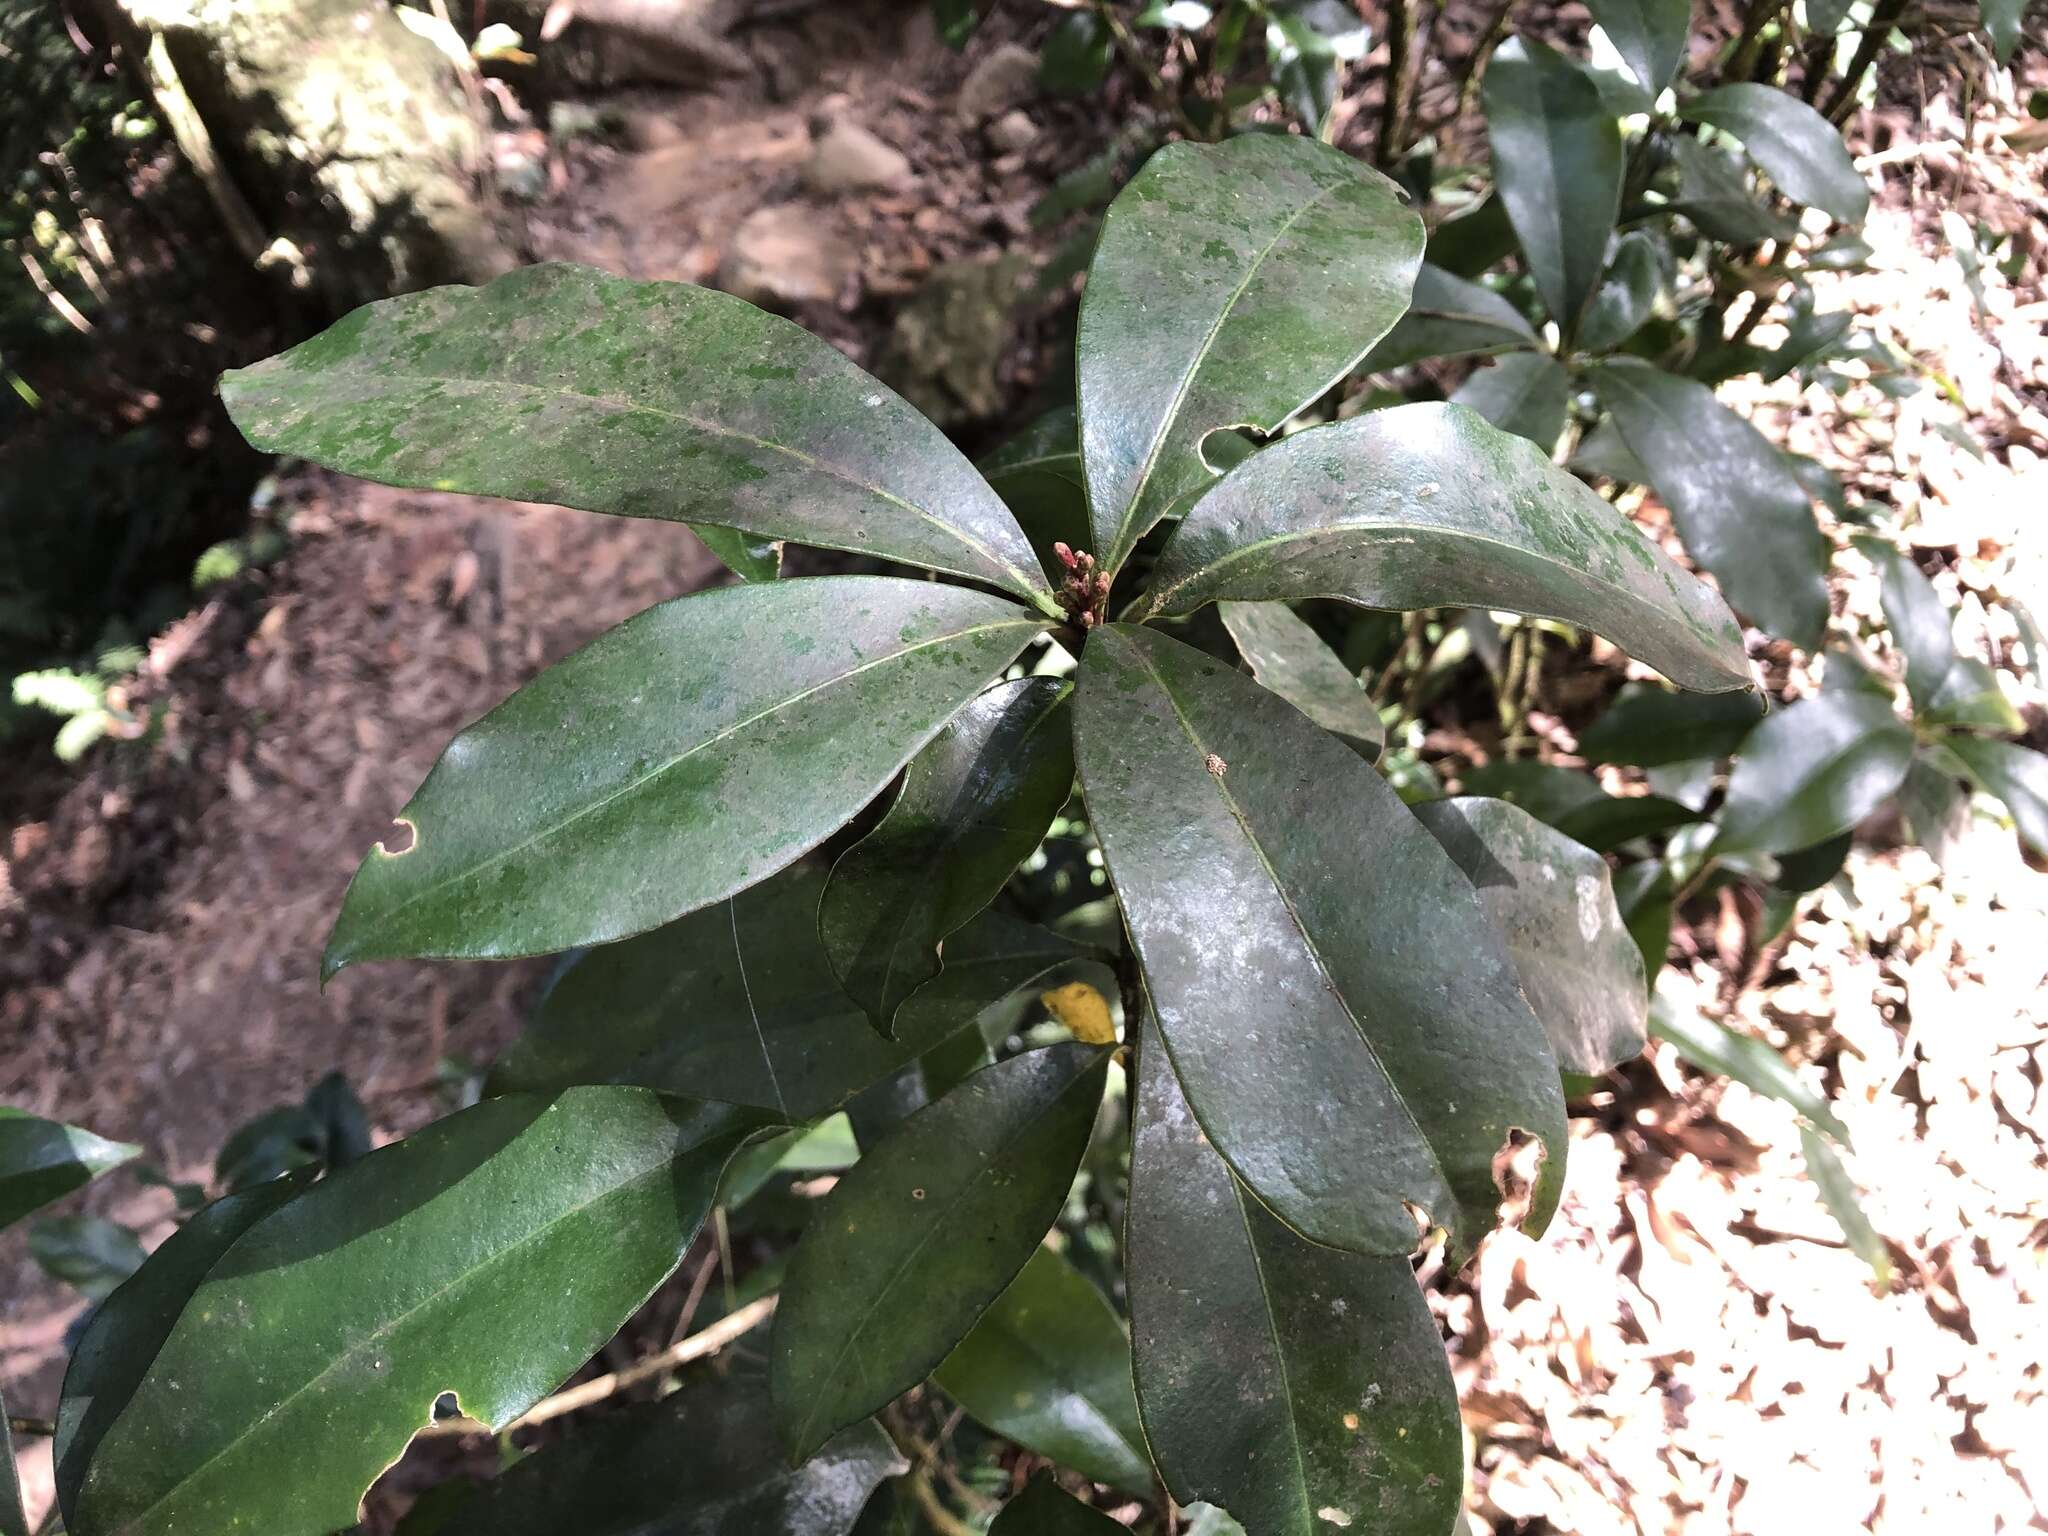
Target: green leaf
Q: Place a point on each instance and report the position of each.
(1038, 475)
(1344, 1015)
(974, 804)
(1946, 688)
(737, 1002)
(1044, 1509)
(918, 1240)
(88, 1253)
(685, 755)
(1646, 895)
(1613, 820)
(488, 1256)
(1077, 54)
(2015, 775)
(1234, 283)
(1627, 294)
(1526, 394)
(1557, 156)
(1450, 317)
(1555, 905)
(1647, 726)
(1797, 147)
(564, 384)
(1650, 36)
(746, 555)
(1743, 514)
(1714, 1047)
(1603, 452)
(41, 1161)
(1713, 194)
(701, 1462)
(130, 1326)
(1290, 658)
(1813, 769)
(957, 21)
(13, 1521)
(1425, 506)
(1824, 18)
(1048, 1366)
(1839, 1194)
(1302, 1388)
(988, 963)
(2003, 20)
(1547, 791)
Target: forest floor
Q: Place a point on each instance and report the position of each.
(1691, 1348)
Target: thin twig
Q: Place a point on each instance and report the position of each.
(21, 1424)
(1882, 19)
(584, 1394)
(1387, 148)
(1475, 65)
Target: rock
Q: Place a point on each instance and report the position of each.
(845, 157)
(787, 255)
(943, 350)
(1012, 133)
(1006, 78)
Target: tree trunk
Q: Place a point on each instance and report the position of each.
(340, 148)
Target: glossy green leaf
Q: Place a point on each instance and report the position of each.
(1645, 894)
(1547, 791)
(130, 1326)
(1234, 283)
(1844, 1201)
(2003, 19)
(918, 1240)
(1648, 726)
(1603, 452)
(1627, 293)
(41, 1161)
(1650, 36)
(1557, 156)
(2015, 775)
(1813, 769)
(1743, 514)
(1946, 688)
(1798, 148)
(564, 384)
(1935, 802)
(1714, 195)
(88, 1253)
(13, 1522)
(1525, 393)
(701, 1462)
(974, 805)
(1555, 905)
(993, 967)
(737, 1003)
(1303, 1389)
(1045, 1509)
(1450, 316)
(488, 1256)
(1824, 18)
(1714, 1047)
(746, 555)
(1290, 658)
(1038, 475)
(1426, 506)
(1049, 1367)
(1613, 820)
(687, 754)
(1808, 869)
(1343, 1012)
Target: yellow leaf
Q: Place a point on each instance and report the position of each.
(1083, 1010)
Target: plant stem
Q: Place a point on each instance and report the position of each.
(22, 1425)
(1387, 148)
(1168, 101)
(1882, 18)
(1755, 21)
(1475, 66)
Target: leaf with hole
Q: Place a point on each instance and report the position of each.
(41, 1161)
(922, 1236)
(564, 384)
(1743, 514)
(700, 1462)
(687, 754)
(1427, 506)
(1554, 904)
(1234, 283)
(486, 1256)
(1354, 1040)
(1557, 155)
(1303, 1389)
(1290, 658)
(1811, 770)
(1049, 1367)
(974, 804)
(1798, 148)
